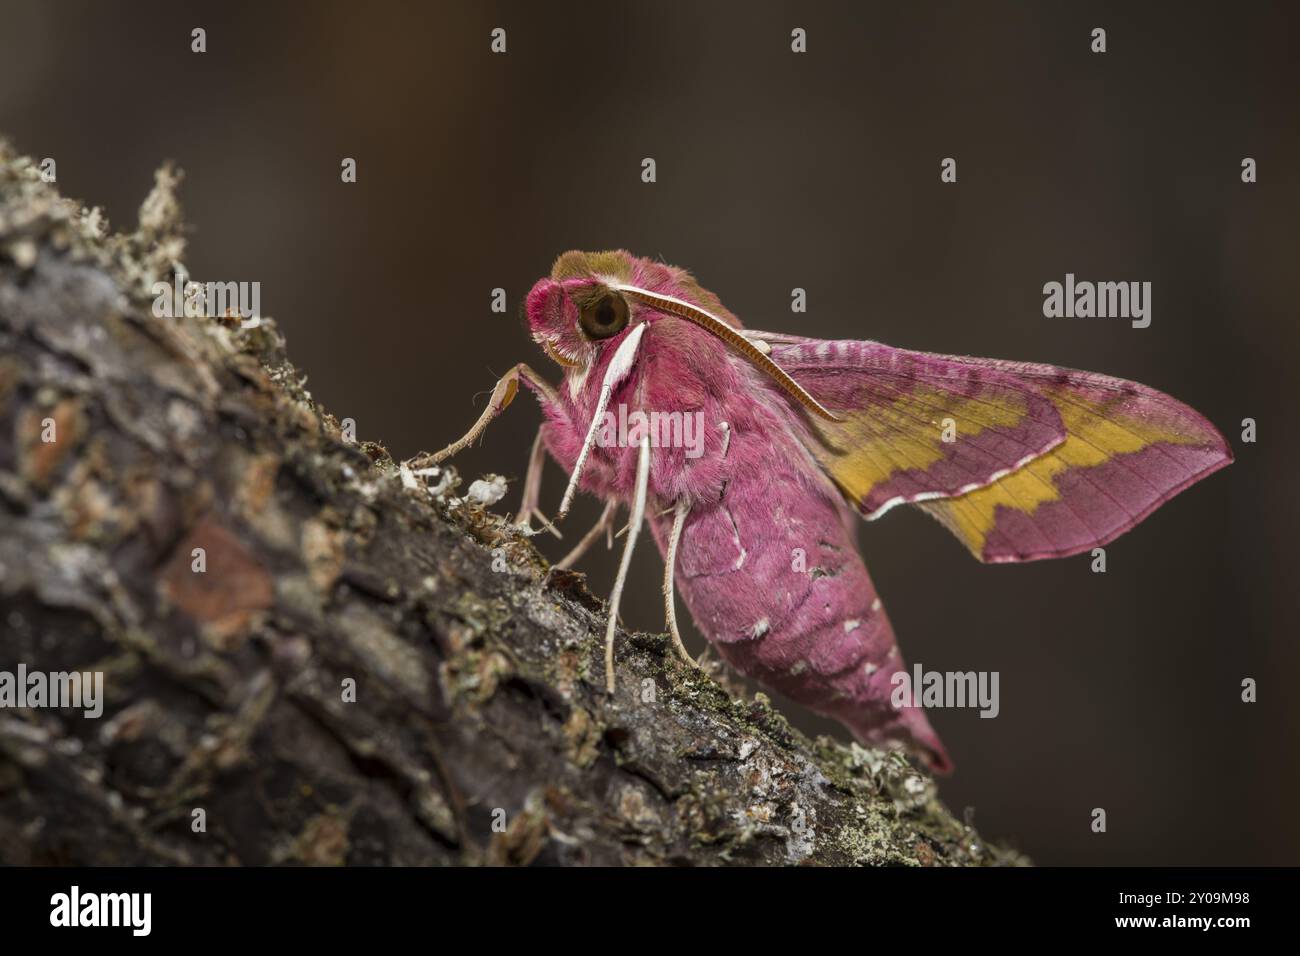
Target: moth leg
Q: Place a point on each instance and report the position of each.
(622, 531)
(670, 565)
(579, 549)
(502, 396)
(634, 528)
(532, 489)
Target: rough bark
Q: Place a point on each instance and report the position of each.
(479, 733)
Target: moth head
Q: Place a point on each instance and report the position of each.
(578, 312)
(593, 300)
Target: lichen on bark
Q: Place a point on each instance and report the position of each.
(347, 679)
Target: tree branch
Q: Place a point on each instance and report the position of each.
(199, 531)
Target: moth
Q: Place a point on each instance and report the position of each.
(756, 520)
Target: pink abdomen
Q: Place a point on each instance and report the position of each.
(773, 579)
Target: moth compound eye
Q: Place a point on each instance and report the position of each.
(604, 317)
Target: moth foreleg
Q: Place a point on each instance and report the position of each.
(533, 489)
(601, 526)
(502, 396)
(670, 564)
(634, 528)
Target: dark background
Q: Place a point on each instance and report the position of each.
(777, 170)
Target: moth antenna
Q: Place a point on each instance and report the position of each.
(737, 340)
(619, 366)
(634, 527)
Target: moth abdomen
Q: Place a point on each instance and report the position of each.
(775, 582)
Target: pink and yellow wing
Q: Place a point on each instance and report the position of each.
(1122, 449)
(912, 428)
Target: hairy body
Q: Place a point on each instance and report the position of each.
(767, 563)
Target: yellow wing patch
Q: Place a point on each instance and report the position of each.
(1095, 435)
(907, 435)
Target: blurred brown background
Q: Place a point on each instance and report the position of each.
(778, 170)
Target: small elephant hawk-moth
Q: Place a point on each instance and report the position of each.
(1019, 461)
